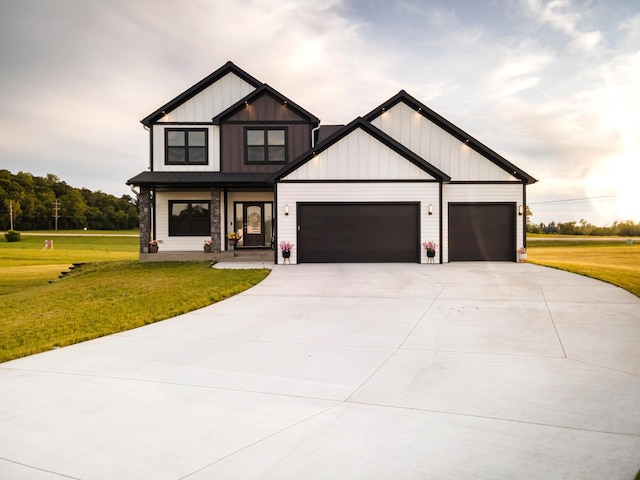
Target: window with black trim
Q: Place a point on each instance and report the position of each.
(189, 218)
(266, 145)
(186, 146)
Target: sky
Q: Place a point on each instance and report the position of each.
(550, 85)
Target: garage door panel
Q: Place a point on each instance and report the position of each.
(482, 232)
(358, 232)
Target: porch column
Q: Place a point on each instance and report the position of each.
(144, 215)
(216, 239)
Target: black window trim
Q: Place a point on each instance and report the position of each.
(190, 203)
(265, 129)
(186, 146)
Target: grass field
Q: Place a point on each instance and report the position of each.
(112, 293)
(24, 264)
(615, 262)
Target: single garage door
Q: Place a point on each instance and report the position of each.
(482, 231)
(358, 232)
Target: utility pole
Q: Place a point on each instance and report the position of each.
(56, 209)
(11, 213)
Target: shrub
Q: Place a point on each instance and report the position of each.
(12, 236)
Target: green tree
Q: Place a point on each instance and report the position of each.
(33, 198)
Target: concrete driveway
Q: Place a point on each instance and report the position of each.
(350, 371)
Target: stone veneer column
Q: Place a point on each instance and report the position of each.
(215, 220)
(144, 216)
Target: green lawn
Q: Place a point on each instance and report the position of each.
(24, 264)
(52, 234)
(616, 263)
(112, 293)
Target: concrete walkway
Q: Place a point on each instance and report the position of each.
(358, 371)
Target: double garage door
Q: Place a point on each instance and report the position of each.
(358, 232)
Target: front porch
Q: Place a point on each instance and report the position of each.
(248, 255)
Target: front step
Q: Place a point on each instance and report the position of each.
(241, 255)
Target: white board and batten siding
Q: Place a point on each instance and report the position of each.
(201, 108)
(211, 101)
(423, 192)
(358, 156)
(179, 244)
(480, 193)
(438, 147)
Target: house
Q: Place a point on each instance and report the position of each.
(233, 155)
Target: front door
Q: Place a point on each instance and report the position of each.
(253, 225)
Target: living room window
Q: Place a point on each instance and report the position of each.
(186, 146)
(189, 219)
(265, 145)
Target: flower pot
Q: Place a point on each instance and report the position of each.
(286, 254)
(522, 257)
(207, 248)
(153, 248)
(431, 253)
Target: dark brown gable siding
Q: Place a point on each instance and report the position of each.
(298, 142)
(266, 108)
(264, 112)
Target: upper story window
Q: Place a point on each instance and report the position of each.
(186, 146)
(266, 145)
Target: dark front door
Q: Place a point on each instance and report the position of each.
(253, 224)
(358, 232)
(482, 231)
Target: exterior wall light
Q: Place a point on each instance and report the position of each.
(521, 210)
(286, 209)
(430, 209)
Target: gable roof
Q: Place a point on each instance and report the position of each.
(264, 89)
(228, 67)
(325, 131)
(450, 128)
(374, 132)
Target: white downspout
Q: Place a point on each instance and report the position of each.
(313, 136)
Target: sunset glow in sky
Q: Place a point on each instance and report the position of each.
(550, 85)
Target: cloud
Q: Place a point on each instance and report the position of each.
(551, 86)
(562, 16)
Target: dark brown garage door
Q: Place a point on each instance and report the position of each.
(482, 231)
(358, 232)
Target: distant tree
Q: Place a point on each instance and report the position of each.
(32, 199)
(627, 228)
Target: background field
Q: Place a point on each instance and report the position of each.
(609, 259)
(24, 264)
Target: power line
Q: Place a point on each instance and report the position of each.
(572, 200)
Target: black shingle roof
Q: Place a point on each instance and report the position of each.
(200, 179)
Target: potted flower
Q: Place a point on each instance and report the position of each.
(286, 248)
(430, 247)
(207, 246)
(522, 255)
(233, 239)
(153, 246)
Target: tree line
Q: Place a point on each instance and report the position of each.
(38, 203)
(627, 228)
